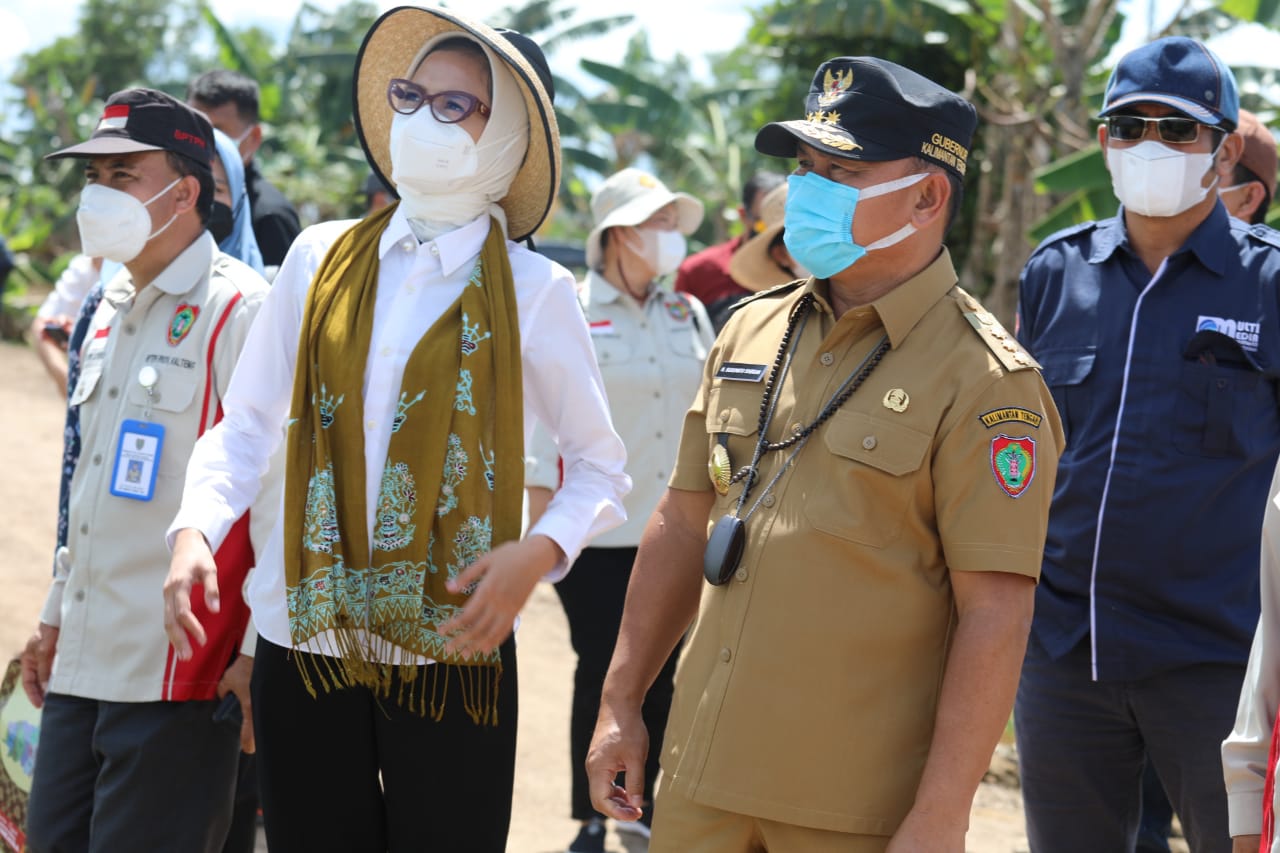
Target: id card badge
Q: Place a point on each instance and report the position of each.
(137, 460)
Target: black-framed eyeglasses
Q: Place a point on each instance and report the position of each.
(1174, 129)
(407, 97)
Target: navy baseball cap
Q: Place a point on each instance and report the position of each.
(1178, 72)
(147, 120)
(864, 108)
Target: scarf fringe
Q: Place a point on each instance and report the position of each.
(355, 663)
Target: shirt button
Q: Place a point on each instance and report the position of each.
(129, 328)
(97, 459)
(741, 576)
(79, 595)
(869, 443)
(407, 245)
(724, 416)
(385, 352)
(657, 395)
(827, 359)
(113, 393)
(797, 428)
(84, 528)
(658, 435)
(662, 475)
(370, 424)
(653, 359)
(725, 654)
(767, 500)
(435, 250)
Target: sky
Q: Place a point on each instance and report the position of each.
(706, 26)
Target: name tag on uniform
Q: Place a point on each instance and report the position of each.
(602, 329)
(741, 372)
(137, 460)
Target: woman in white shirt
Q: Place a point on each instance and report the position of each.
(405, 358)
(650, 344)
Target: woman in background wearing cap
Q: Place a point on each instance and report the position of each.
(763, 261)
(650, 344)
(384, 678)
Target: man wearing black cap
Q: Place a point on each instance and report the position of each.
(131, 757)
(874, 457)
(1158, 334)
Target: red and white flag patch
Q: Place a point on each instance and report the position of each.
(602, 328)
(114, 117)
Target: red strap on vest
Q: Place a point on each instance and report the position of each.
(198, 677)
(1269, 790)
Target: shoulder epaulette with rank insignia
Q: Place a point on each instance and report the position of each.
(778, 290)
(1265, 234)
(1005, 346)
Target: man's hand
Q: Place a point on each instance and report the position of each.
(504, 579)
(192, 564)
(928, 832)
(1246, 843)
(619, 745)
(236, 680)
(37, 662)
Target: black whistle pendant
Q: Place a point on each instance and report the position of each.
(724, 550)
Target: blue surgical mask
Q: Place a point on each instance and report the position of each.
(819, 221)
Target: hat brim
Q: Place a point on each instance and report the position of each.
(391, 45)
(779, 138)
(103, 146)
(689, 212)
(753, 267)
(1196, 111)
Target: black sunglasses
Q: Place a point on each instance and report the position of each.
(407, 97)
(1174, 129)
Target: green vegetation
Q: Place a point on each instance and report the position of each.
(1035, 69)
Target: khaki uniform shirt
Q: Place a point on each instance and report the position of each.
(651, 359)
(107, 593)
(809, 684)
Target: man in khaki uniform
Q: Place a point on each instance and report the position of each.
(846, 680)
(131, 757)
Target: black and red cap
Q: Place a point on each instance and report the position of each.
(147, 120)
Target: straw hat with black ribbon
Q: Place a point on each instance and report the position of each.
(393, 44)
(752, 266)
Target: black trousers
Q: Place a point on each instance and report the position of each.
(121, 776)
(593, 594)
(348, 772)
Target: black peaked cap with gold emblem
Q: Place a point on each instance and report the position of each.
(864, 108)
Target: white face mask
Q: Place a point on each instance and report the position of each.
(662, 250)
(115, 225)
(1154, 180)
(428, 155)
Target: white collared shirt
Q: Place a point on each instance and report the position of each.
(416, 283)
(651, 356)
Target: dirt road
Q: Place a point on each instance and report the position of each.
(31, 438)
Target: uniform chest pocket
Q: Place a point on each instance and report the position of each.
(172, 400)
(685, 342)
(873, 470)
(1065, 372)
(1225, 404)
(611, 350)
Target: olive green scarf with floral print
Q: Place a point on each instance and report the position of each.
(451, 485)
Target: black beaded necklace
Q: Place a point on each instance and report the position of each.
(768, 400)
(728, 536)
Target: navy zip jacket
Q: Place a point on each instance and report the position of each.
(1167, 387)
